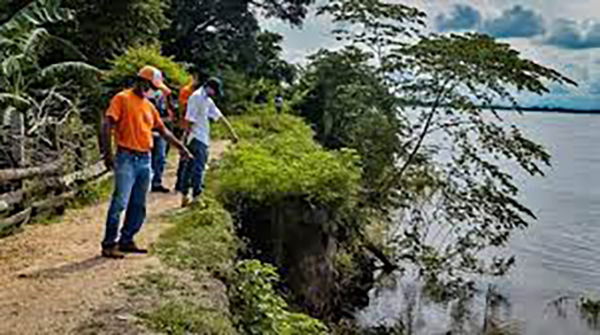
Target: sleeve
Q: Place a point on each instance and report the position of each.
(191, 114)
(184, 97)
(214, 113)
(115, 110)
(158, 123)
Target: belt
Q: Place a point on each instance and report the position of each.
(133, 152)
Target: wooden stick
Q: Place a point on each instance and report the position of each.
(9, 225)
(53, 202)
(9, 200)
(91, 172)
(27, 173)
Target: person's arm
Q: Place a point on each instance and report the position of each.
(216, 114)
(106, 141)
(230, 128)
(109, 122)
(168, 135)
(170, 108)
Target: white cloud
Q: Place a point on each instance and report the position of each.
(580, 65)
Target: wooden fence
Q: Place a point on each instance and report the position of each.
(18, 207)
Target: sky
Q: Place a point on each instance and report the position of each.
(560, 34)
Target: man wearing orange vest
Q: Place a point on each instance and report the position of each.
(132, 117)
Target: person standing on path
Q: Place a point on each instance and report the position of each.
(200, 110)
(162, 102)
(131, 117)
(184, 96)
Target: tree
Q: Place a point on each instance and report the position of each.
(106, 28)
(216, 34)
(455, 194)
(211, 33)
(269, 64)
(349, 106)
(378, 26)
(453, 83)
(292, 11)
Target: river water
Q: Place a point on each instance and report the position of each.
(559, 254)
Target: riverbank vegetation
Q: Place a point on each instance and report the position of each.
(352, 178)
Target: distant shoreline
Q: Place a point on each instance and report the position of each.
(535, 109)
(550, 110)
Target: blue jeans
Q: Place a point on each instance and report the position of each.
(132, 183)
(159, 156)
(192, 171)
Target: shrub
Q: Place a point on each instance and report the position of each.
(241, 92)
(126, 66)
(279, 158)
(258, 309)
(257, 126)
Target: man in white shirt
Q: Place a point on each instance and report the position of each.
(201, 109)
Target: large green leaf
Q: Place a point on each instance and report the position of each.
(35, 14)
(80, 68)
(14, 99)
(6, 115)
(36, 43)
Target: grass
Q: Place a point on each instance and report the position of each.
(178, 317)
(201, 239)
(92, 193)
(184, 297)
(176, 302)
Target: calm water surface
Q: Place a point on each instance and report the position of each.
(559, 255)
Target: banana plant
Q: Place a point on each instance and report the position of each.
(29, 86)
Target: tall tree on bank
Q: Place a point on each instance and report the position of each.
(450, 175)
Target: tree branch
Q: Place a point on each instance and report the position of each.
(424, 133)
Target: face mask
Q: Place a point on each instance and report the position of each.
(150, 94)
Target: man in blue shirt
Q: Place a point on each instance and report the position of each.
(200, 110)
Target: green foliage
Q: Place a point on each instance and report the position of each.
(455, 82)
(202, 239)
(457, 197)
(377, 25)
(126, 67)
(42, 88)
(259, 310)
(241, 92)
(257, 126)
(228, 42)
(183, 318)
(350, 106)
(78, 143)
(285, 161)
(269, 64)
(93, 193)
(103, 29)
(222, 35)
(590, 311)
(173, 302)
(35, 14)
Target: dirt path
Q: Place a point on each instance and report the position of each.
(51, 276)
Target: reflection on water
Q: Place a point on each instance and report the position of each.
(558, 256)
